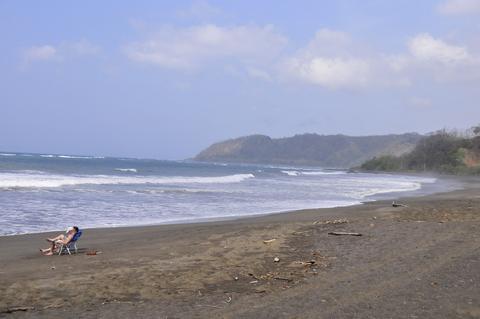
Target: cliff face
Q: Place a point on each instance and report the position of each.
(334, 151)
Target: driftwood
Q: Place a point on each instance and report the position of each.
(269, 241)
(398, 205)
(340, 233)
(331, 222)
(306, 263)
(15, 309)
(253, 276)
(284, 279)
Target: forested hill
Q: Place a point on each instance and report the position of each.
(332, 151)
(441, 152)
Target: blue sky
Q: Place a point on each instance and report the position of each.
(164, 79)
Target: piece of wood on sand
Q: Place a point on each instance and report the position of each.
(269, 241)
(15, 309)
(341, 233)
(394, 204)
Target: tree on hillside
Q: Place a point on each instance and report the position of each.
(438, 152)
(476, 130)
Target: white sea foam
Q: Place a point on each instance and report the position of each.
(29, 171)
(313, 173)
(7, 154)
(291, 173)
(75, 157)
(47, 155)
(324, 173)
(178, 191)
(23, 180)
(133, 170)
(371, 187)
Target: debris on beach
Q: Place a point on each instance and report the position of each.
(394, 204)
(276, 259)
(253, 276)
(269, 276)
(300, 233)
(341, 233)
(269, 241)
(16, 309)
(331, 222)
(93, 252)
(306, 263)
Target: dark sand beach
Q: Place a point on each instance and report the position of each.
(420, 261)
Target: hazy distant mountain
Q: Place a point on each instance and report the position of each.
(335, 151)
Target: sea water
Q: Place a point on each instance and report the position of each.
(43, 192)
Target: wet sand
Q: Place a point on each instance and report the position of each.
(420, 261)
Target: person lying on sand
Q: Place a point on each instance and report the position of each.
(62, 239)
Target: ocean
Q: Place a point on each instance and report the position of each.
(44, 192)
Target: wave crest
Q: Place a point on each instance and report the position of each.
(22, 180)
(132, 170)
(313, 173)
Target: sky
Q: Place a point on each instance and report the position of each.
(165, 79)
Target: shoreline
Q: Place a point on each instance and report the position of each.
(460, 182)
(421, 260)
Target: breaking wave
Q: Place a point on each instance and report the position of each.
(324, 173)
(23, 180)
(313, 173)
(132, 170)
(292, 173)
(75, 157)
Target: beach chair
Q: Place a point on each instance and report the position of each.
(72, 245)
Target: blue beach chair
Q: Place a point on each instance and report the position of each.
(72, 245)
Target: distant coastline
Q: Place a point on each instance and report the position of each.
(327, 151)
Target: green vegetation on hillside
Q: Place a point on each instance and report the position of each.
(442, 152)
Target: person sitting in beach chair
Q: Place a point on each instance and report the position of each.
(63, 242)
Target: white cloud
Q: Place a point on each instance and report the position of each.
(459, 7)
(434, 59)
(327, 42)
(60, 52)
(185, 48)
(40, 53)
(425, 47)
(331, 61)
(331, 72)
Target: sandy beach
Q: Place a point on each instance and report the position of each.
(420, 261)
